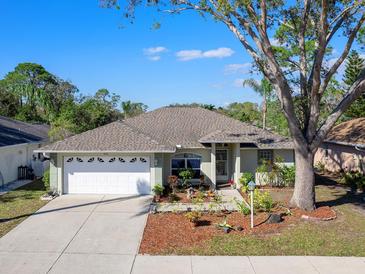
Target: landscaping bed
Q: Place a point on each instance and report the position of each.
(166, 233)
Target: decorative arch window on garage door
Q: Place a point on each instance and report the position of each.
(186, 161)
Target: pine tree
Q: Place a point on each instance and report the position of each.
(354, 65)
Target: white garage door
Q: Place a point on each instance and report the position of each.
(107, 175)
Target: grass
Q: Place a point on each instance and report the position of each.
(17, 205)
(344, 236)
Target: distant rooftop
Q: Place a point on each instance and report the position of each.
(14, 132)
(351, 132)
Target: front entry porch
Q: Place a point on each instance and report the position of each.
(225, 164)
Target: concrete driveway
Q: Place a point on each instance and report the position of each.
(74, 232)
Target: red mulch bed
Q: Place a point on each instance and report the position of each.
(324, 213)
(166, 232)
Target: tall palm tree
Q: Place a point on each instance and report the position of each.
(264, 89)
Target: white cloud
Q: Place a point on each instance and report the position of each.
(154, 50)
(238, 83)
(237, 68)
(187, 55)
(154, 58)
(154, 53)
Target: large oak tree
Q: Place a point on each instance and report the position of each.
(309, 27)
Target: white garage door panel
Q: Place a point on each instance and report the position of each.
(124, 175)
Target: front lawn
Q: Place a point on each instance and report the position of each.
(344, 236)
(17, 205)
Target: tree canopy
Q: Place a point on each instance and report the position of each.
(30, 93)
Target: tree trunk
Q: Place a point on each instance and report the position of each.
(264, 110)
(304, 193)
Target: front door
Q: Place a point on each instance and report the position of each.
(222, 164)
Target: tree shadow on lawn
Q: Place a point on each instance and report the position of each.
(337, 194)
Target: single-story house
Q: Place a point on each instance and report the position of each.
(132, 155)
(18, 140)
(344, 147)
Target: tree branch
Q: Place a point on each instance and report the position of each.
(343, 56)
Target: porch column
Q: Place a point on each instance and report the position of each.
(213, 166)
(237, 162)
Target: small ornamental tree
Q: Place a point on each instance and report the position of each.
(296, 65)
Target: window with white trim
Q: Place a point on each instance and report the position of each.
(265, 155)
(186, 161)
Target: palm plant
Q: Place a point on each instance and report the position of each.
(264, 89)
(131, 109)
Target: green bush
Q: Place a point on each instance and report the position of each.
(46, 179)
(186, 175)
(262, 201)
(246, 178)
(355, 180)
(242, 207)
(158, 189)
(287, 175)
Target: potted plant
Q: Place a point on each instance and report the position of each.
(158, 190)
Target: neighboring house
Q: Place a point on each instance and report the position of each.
(18, 140)
(344, 148)
(131, 156)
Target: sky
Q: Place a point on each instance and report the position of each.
(189, 59)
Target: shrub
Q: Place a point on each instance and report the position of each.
(193, 216)
(355, 180)
(246, 178)
(262, 201)
(320, 167)
(287, 175)
(186, 175)
(242, 207)
(158, 189)
(46, 179)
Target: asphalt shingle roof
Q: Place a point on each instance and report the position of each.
(163, 129)
(14, 132)
(190, 127)
(113, 137)
(351, 132)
